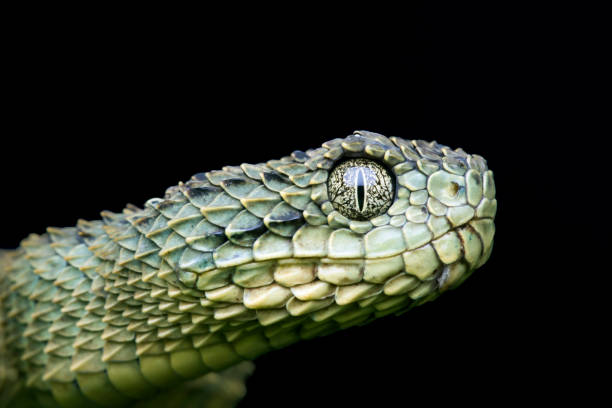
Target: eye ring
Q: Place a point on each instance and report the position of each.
(360, 188)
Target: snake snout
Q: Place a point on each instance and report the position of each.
(461, 209)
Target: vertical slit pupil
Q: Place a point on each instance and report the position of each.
(360, 190)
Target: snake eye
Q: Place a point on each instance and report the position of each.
(360, 189)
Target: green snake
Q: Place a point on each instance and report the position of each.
(235, 263)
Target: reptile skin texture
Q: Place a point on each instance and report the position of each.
(235, 263)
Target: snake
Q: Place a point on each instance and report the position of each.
(173, 301)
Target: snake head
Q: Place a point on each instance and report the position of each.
(358, 228)
(431, 205)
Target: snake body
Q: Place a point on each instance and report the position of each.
(233, 264)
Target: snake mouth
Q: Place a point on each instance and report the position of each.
(386, 271)
(396, 281)
(441, 263)
(352, 291)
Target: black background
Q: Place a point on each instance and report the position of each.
(92, 123)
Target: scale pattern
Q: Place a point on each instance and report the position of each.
(232, 264)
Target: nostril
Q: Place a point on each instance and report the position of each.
(453, 189)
